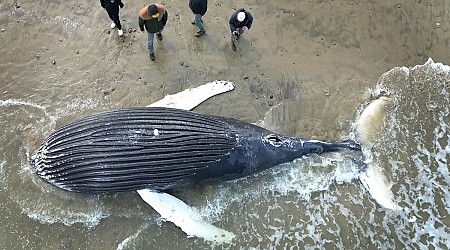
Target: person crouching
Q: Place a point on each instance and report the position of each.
(240, 22)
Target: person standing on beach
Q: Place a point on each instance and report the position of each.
(199, 8)
(112, 7)
(153, 18)
(240, 22)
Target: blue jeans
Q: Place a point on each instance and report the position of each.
(150, 38)
(198, 21)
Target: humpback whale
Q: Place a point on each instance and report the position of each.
(162, 148)
(165, 146)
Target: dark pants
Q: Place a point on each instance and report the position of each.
(235, 37)
(113, 13)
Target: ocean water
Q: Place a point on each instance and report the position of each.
(315, 202)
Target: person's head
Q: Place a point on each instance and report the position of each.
(241, 16)
(153, 11)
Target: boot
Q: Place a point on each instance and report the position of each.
(200, 33)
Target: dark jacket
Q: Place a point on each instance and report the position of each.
(198, 6)
(111, 7)
(153, 25)
(234, 23)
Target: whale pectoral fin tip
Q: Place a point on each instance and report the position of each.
(183, 216)
(191, 98)
(375, 183)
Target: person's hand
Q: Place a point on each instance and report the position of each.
(245, 28)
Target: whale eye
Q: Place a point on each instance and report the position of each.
(274, 140)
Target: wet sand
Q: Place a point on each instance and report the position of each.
(310, 58)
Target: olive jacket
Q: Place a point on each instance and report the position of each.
(153, 25)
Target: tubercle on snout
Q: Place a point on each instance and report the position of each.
(277, 141)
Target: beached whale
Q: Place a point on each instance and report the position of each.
(162, 148)
(165, 146)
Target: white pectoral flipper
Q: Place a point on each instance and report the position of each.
(191, 98)
(185, 217)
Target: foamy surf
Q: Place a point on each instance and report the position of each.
(2, 164)
(89, 219)
(16, 102)
(127, 241)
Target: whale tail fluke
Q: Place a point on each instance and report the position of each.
(378, 187)
(368, 128)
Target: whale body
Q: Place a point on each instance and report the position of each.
(162, 148)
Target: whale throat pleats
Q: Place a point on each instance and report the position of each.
(132, 149)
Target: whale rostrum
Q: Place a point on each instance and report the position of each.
(162, 148)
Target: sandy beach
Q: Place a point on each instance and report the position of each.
(303, 67)
(305, 53)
